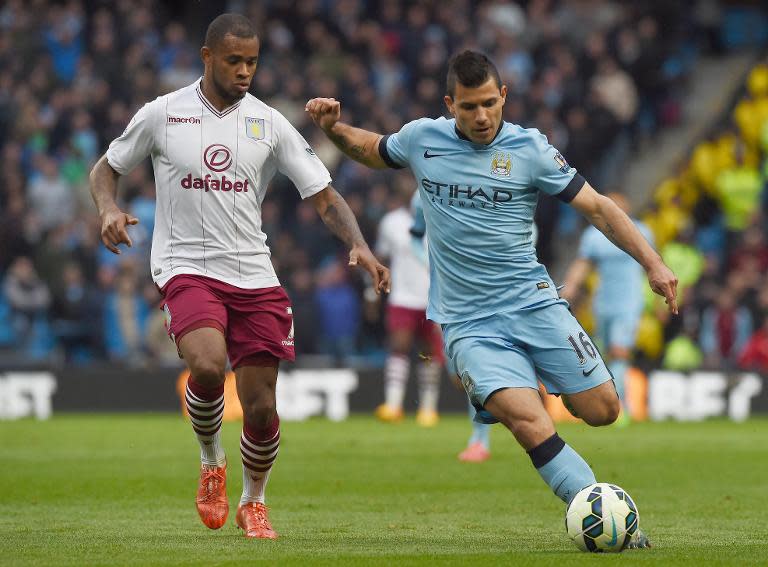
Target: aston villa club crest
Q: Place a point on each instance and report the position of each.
(254, 128)
(501, 163)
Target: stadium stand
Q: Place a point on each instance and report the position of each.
(598, 77)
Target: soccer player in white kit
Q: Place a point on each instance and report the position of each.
(407, 323)
(214, 149)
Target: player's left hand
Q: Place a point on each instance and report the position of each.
(664, 283)
(362, 256)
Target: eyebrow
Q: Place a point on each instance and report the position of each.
(486, 101)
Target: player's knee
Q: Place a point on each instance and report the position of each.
(259, 412)
(208, 373)
(604, 413)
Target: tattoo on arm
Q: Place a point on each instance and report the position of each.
(356, 152)
(610, 233)
(340, 219)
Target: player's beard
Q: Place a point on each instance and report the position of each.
(222, 91)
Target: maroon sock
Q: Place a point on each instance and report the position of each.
(206, 409)
(258, 448)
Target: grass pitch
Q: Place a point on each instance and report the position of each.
(119, 490)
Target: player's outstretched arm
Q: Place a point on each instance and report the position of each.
(114, 222)
(574, 278)
(340, 219)
(607, 217)
(361, 145)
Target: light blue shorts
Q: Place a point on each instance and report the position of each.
(516, 349)
(617, 330)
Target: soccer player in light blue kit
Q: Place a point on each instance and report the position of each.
(503, 321)
(618, 301)
(479, 446)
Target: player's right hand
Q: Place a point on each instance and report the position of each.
(114, 229)
(663, 282)
(325, 112)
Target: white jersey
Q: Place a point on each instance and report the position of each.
(410, 275)
(211, 172)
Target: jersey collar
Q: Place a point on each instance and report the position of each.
(210, 106)
(462, 136)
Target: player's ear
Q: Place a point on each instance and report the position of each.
(205, 54)
(503, 91)
(449, 104)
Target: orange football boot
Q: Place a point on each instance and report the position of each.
(212, 504)
(252, 518)
(389, 414)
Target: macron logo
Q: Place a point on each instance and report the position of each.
(183, 120)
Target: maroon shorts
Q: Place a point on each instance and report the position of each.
(256, 323)
(415, 321)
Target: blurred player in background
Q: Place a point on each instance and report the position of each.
(502, 319)
(479, 446)
(214, 149)
(618, 301)
(407, 323)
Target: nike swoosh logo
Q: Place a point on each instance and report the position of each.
(614, 535)
(590, 371)
(429, 155)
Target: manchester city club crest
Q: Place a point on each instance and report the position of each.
(501, 163)
(254, 128)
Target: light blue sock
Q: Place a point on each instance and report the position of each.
(480, 431)
(561, 467)
(619, 370)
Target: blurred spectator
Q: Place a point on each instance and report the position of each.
(754, 356)
(725, 329)
(125, 316)
(76, 315)
(738, 190)
(306, 321)
(682, 354)
(616, 90)
(50, 198)
(338, 305)
(28, 298)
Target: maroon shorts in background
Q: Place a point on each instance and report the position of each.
(256, 323)
(415, 321)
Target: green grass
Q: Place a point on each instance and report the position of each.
(119, 490)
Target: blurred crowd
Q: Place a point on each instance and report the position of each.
(598, 77)
(711, 226)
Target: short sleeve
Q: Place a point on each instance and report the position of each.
(137, 140)
(395, 148)
(297, 160)
(551, 173)
(419, 225)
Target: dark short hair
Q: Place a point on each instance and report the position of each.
(234, 24)
(470, 69)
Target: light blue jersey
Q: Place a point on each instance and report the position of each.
(621, 278)
(503, 322)
(479, 202)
